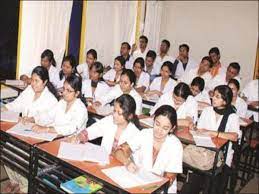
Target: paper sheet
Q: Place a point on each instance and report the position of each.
(148, 121)
(126, 179)
(201, 139)
(9, 116)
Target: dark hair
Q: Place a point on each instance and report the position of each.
(121, 60)
(184, 46)
(151, 54)
(92, 52)
(166, 42)
(208, 58)
(144, 38)
(49, 54)
(43, 73)
(226, 93)
(214, 50)
(235, 65)
(198, 81)
(141, 61)
(170, 113)
(126, 43)
(72, 60)
(182, 90)
(99, 69)
(128, 106)
(171, 67)
(235, 82)
(130, 74)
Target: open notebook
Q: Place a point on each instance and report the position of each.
(9, 116)
(202, 139)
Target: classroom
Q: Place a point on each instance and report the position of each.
(129, 97)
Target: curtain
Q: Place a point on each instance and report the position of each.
(44, 24)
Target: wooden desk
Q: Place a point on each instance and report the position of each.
(94, 170)
(253, 108)
(18, 88)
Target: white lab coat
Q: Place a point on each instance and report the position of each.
(203, 97)
(137, 53)
(83, 70)
(159, 61)
(107, 129)
(53, 71)
(169, 158)
(57, 82)
(190, 65)
(116, 92)
(25, 104)
(143, 80)
(241, 107)
(188, 109)
(156, 85)
(208, 121)
(65, 123)
(101, 90)
(219, 79)
(110, 75)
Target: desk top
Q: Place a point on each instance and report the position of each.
(253, 108)
(15, 87)
(95, 169)
(4, 126)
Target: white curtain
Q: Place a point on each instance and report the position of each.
(44, 25)
(108, 24)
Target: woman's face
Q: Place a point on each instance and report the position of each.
(45, 62)
(178, 101)
(125, 84)
(90, 60)
(162, 126)
(195, 90)
(165, 72)
(37, 84)
(93, 74)
(67, 68)
(204, 66)
(137, 69)
(217, 100)
(234, 89)
(117, 66)
(69, 93)
(118, 117)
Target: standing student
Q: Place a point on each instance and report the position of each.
(164, 83)
(237, 102)
(117, 128)
(217, 67)
(126, 86)
(152, 68)
(68, 115)
(156, 149)
(95, 87)
(36, 99)
(142, 50)
(112, 77)
(83, 69)
(183, 102)
(142, 78)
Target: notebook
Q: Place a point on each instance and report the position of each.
(9, 116)
(80, 184)
(202, 139)
(83, 152)
(126, 179)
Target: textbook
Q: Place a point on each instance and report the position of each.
(202, 139)
(80, 184)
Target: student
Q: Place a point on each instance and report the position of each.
(115, 129)
(125, 53)
(185, 63)
(112, 77)
(68, 67)
(83, 69)
(126, 86)
(199, 93)
(202, 71)
(237, 102)
(217, 67)
(142, 78)
(183, 102)
(142, 50)
(69, 115)
(152, 68)
(164, 83)
(36, 99)
(95, 87)
(156, 149)
(163, 55)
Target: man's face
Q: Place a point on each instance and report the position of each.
(124, 50)
(231, 73)
(214, 57)
(142, 43)
(164, 48)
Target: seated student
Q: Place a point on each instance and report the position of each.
(142, 78)
(217, 67)
(68, 115)
(117, 128)
(199, 93)
(126, 86)
(125, 53)
(68, 67)
(218, 120)
(237, 102)
(112, 77)
(164, 83)
(156, 149)
(202, 71)
(152, 68)
(183, 102)
(95, 87)
(37, 98)
(83, 69)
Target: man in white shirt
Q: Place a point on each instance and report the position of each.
(142, 50)
(125, 53)
(185, 64)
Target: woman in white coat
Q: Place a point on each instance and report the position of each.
(69, 115)
(142, 78)
(155, 149)
(117, 128)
